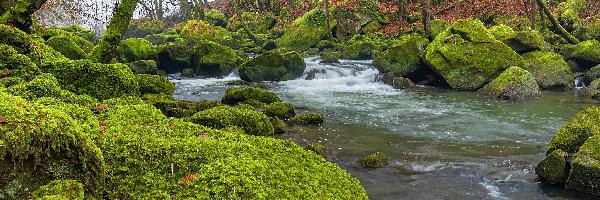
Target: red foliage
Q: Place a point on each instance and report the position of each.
(189, 178)
(2, 119)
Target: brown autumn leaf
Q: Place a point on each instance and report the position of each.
(203, 137)
(101, 107)
(172, 126)
(189, 178)
(2, 119)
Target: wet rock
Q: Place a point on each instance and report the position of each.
(591, 75)
(273, 66)
(375, 160)
(330, 58)
(513, 84)
(402, 83)
(585, 168)
(554, 169)
(549, 69)
(307, 119)
(144, 67)
(404, 59)
(593, 90)
(586, 53)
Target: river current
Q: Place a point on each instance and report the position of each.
(442, 144)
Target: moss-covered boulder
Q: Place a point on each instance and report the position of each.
(183, 109)
(571, 136)
(513, 84)
(46, 85)
(360, 47)
(273, 66)
(215, 18)
(549, 69)
(208, 164)
(154, 84)
(591, 75)
(15, 67)
(59, 189)
(84, 44)
(305, 32)
(585, 168)
(593, 90)
(66, 46)
(214, 60)
(237, 95)
(252, 122)
(279, 126)
(467, 56)
(144, 67)
(44, 53)
(84, 33)
(404, 59)
(174, 58)
(586, 53)
(520, 41)
(437, 26)
(554, 169)
(139, 28)
(199, 30)
(307, 119)
(136, 49)
(101, 81)
(41, 144)
(375, 160)
(282, 110)
(15, 38)
(330, 58)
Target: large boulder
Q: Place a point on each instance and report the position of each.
(305, 32)
(549, 69)
(240, 95)
(136, 49)
(554, 169)
(174, 58)
(581, 127)
(520, 41)
(154, 84)
(252, 122)
(593, 90)
(273, 66)
(513, 84)
(467, 56)
(207, 59)
(66, 46)
(591, 75)
(586, 53)
(585, 167)
(404, 59)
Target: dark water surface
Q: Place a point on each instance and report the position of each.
(442, 144)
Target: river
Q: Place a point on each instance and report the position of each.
(442, 144)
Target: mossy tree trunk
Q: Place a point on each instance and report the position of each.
(557, 27)
(106, 50)
(243, 24)
(327, 21)
(18, 14)
(426, 16)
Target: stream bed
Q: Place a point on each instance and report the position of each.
(442, 144)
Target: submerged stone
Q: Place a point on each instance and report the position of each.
(307, 119)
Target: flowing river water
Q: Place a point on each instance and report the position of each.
(442, 144)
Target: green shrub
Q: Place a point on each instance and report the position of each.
(307, 119)
(375, 160)
(68, 189)
(237, 95)
(154, 84)
(282, 110)
(252, 122)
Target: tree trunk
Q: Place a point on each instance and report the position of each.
(243, 24)
(557, 27)
(426, 17)
(401, 11)
(456, 9)
(327, 21)
(19, 15)
(542, 18)
(106, 50)
(532, 12)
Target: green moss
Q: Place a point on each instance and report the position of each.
(587, 53)
(41, 144)
(174, 58)
(154, 84)
(273, 66)
(259, 23)
(68, 189)
(198, 30)
(467, 56)
(66, 46)
(375, 160)
(330, 57)
(585, 168)
(215, 18)
(281, 110)
(236, 95)
(252, 122)
(102, 81)
(549, 69)
(144, 67)
(143, 27)
(307, 119)
(214, 60)
(501, 32)
(437, 26)
(183, 109)
(554, 168)
(404, 59)
(525, 41)
(106, 50)
(163, 38)
(513, 84)
(84, 33)
(279, 126)
(372, 27)
(591, 75)
(359, 50)
(206, 164)
(305, 32)
(46, 85)
(15, 67)
(15, 38)
(136, 49)
(44, 53)
(593, 90)
(316, 148)
(571, 136)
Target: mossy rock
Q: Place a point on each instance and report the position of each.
(588, 31)
(554, 169)
(214, 60)
(136, 49)
(44, 53)
(154, 84)
(174, 58)
(591, 75)
(501, 32)
(375, 160)
(316, 148)
(46, 85)
(215, 18)
(585, 168)
(68, 189)
(101, 81)
(252, 122)
(519, 41)
(279, 126)
(571, 136)
(305, 32)
(586, 53)
(549, 69)
(67, 47)
(404, 59)
(15, 66)
(84, 33)
(82, 43)
(307, 119)
(513, 84)
(468, 57)
(236, 95)
(164, 38)
(402, 83)
(593, 90)
(183, 109)
(437, 26)
(273, 66)
(41, 144)
(330, 58)
(207, 164)
(199, 30)
(144, 67)
(15, 38)
(282, 110)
